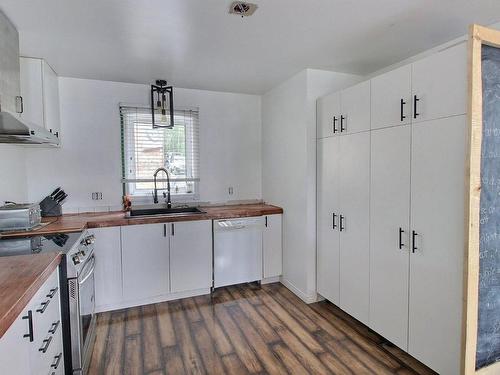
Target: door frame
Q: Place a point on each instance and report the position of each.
(478, 35)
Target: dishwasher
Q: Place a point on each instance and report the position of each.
(237, 251)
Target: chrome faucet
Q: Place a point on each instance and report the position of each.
(155, 199)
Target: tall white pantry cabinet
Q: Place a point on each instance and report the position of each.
(391, 206)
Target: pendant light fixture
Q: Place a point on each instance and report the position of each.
(161, 105)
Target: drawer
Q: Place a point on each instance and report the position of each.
(55, 360)
(42, 363)
(45, 315)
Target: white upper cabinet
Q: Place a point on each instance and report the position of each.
(439, 84)
(436, 263)
(389, 233)
(40, 92)
(328, 115)
(145, 257)
(108, 269)
(391, 98)
(355, 104)
(328, 242)
(354, 224)
(272, 246)
(190, 255)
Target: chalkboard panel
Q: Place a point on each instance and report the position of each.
(488, 333)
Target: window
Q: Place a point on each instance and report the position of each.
(145, 149)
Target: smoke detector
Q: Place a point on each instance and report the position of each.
(242, 8)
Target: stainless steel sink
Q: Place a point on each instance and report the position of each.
(163, 210)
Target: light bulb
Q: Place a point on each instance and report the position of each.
(163, 115)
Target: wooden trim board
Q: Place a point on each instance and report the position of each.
(478, 36)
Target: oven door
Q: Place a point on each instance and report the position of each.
(83, 319)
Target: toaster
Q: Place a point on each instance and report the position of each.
(25, 216)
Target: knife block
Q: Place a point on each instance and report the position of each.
(50, 207)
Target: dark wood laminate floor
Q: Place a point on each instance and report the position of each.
(243, 330)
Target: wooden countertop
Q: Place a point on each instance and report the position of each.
(79, 222)
(20, 278)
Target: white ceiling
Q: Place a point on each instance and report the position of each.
(197, 44)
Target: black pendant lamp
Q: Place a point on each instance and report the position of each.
(160, 104)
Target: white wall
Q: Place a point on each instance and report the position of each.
(90, 157)
(13, 181)
(289, 168)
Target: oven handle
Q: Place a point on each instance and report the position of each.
(92, 268)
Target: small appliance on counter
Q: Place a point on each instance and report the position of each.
(24, 216)
(51, 205)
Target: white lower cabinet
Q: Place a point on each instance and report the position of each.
(272, 246)
(389, 238)
(437, 255)
(354, 225)
(145, 261)
(33, 343)
(108, 268)
(328, 235)
(343, 222)
(190, 255)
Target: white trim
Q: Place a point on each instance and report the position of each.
(270, 280)
(150, 300)
(307, 298)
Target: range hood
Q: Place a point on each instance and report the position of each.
(14, 130)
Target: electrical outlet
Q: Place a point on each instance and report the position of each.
(97, 196)
(230, 190)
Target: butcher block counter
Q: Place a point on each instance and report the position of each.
(20, 278)
(78, 222)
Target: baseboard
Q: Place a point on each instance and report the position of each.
(307, 298)
(269, 280)
(155, 299)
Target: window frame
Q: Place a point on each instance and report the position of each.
(145, 196)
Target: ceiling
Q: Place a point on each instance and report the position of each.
(197, 44)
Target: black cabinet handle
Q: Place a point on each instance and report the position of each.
(401, 231)
(42, 309)
(335, 119)
(57, 358)
(413, 240)
(164, 230)
(334, 225)
(342, 127)
(266, 222)
(53, 292)
(30, 325)
(403, 103)
(342, 228)
(173, 229)
(54, 326)
(46, 344)
(57, 134)
(415, 101)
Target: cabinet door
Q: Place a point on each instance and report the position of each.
(32, 90)
(328, 115)
(272, 246)
(387, 91)
(389, 249)
(51, 99)
(145, 256)
(354, 237)
(328, 252)
(108, 269)
(15, 349)
(440, 84)
(190, 255)
(437, 216)
(356, 108)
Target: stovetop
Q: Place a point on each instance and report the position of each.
(60, 242)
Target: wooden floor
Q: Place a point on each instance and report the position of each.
(241, 330)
